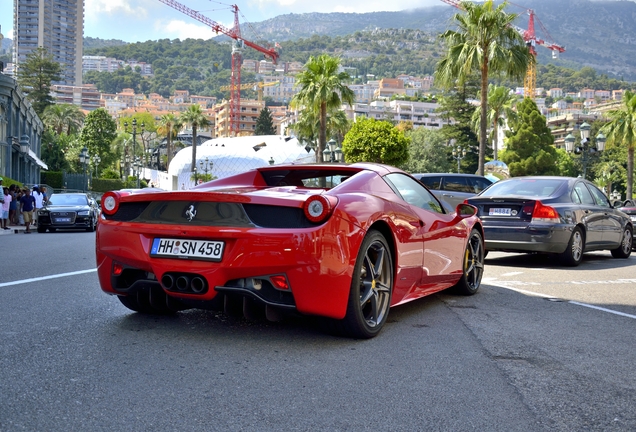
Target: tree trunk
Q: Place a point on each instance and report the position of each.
(194, 148)
(483, 120)
(322, 141)
(168, 148)
(630, 170)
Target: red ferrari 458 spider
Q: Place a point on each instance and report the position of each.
(345, 242)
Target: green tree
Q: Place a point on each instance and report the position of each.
(322, 89)
(265, 123)
(501, 102)
(35, 76)
(169, 126)
(370, 140)
(63, 118)
(53, 147)
(529, 146)
(621, 131)
(427, 152)
(485, 42)
(195, 117)
(97, 135)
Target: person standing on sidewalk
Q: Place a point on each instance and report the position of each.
(13, 206)
(5, 209)
(39, 202)
(27, 205)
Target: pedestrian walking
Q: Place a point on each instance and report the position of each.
(5, 208)
(27, 205)
(39, 202)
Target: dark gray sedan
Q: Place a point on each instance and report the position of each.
(68, 211)
(559, 215)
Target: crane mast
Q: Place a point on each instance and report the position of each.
(237, 54)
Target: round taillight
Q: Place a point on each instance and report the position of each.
(317, 208)
(110, 203)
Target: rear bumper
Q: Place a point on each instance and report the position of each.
(531, 238)
(316, 262)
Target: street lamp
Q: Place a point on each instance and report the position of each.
(585, 148)
(137, 166)
(458, 154)
(195, 175)
(84, 160)
(207, 166)
(271, 160)
(332, 153)
(96, 161)
(134, 134)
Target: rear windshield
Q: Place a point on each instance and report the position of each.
(309, 178)
(524, 187)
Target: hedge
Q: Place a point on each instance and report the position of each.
(55, 179)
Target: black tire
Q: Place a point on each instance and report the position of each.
(625, 248)
(41, 229)
(371, 289)
(472, 265)
(573, 254)
(91, 227)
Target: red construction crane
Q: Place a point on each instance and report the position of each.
(532, 40)
(237, 56)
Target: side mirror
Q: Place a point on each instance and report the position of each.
(465, 210)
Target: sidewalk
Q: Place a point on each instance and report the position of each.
(14, 229)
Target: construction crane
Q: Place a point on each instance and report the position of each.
(254, 86)
(531, 39)
(237, 54)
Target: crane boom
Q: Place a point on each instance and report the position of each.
(237, 57)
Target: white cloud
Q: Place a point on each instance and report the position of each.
(96, 9)
(178, 29)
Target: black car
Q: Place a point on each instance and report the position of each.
(559, 215)
(68, 211)
(453, 188)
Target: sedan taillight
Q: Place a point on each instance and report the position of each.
(544, 213)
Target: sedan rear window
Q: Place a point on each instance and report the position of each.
(524, 187)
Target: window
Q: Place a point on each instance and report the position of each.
(413, 193)
(457, 184)
(582, 195)
(599, 197)
(432, 182)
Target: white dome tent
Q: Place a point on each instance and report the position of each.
(229, 156)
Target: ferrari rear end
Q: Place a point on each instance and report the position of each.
(228, 248)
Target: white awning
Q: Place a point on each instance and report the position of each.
(37, 160)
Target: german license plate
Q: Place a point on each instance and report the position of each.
(633, 217)
(187, 249)
(499, 212)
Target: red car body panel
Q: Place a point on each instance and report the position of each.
(318, 261)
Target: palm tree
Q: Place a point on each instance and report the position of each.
(169, 126)
(194, 117)
(322, 89)
(621, 130)
(501, 102)
(63, 118)
(485, 42)
(307, 128)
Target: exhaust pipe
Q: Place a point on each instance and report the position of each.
(198, 285)
(183, 282)
(167, 281)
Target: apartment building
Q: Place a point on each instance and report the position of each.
(100, 64)
(389, 87)
(421, 114)
(249, 112)
(562, 125)
(87, 97)
(283, 92)
(58, 26)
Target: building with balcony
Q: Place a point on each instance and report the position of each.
(87, 97)
(248, 114)
(58, 26)
(420, 114)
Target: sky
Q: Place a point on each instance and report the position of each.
(142, 20)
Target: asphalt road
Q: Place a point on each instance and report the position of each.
(539, 347)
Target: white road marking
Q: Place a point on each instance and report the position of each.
(512, 274)
(549, 297)
(55, 276)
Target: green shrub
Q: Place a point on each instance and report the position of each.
(55, 179)
(105, 185)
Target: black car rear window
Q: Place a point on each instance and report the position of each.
(525, 187)
(432, 182)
